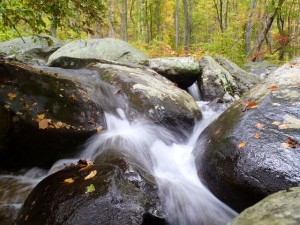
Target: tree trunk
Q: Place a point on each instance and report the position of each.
(297, 31)
(187, 25)
(53, 27)
(263, 34)
(249, 25)
(124, 34)
(177, 27)
(111, 31)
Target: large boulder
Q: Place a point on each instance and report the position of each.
(32, 50)
(184, 71)
(115, 193)
(252, 149)
(106, 48)
(261, 69)
(223, 79)
(43, 117)
(47, 113)
(281, 208)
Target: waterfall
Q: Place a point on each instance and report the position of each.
(187, 200)
(194, 91)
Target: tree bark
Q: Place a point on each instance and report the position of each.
(187, 25)
(177, 25)
(124, 34)
(249, 26)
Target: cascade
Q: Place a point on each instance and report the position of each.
(194, 91)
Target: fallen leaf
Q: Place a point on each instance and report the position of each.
(257, 136)
(91, 175)
(285, 145)
(293, 121)
(250, 105)
(26, 105)
(218, 131)
(40, 116)
(292, 142)
(260, 126)
(283, 126)
(276, 123)
(90, 188)
(69, 180)
(43, 124)
(11, 96)
(117, 91)
(73, 98)
(242, 144)
(59, 124)
(99, 129)
(276, 104)
(273, 88)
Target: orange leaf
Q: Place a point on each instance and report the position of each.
(73, 98)
(43, 124)
(260, 126)
(250, 105)
(257, 136)
(91, 175)
(242, 144)
(273, 88)
(11, 96)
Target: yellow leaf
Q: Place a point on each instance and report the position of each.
(91, 175)
(43, 124)
(40, 116)
(26, 105)
(99, 129)
(242, 144)
(69, 180)
(285, 145)
(11, 96)
(276, 123)
(283, 126)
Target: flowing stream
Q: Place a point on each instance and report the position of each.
(186, 199)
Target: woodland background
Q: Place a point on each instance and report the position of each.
(240, 30)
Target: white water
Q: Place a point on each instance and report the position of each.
(187, 200)
(194, 91)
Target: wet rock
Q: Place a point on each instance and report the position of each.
(252, 149)
(31, 50)
(184, 71)
(281, 208)
(43, 118)
(117, 194)
(223, 79)
(261, 69)
(106, 48)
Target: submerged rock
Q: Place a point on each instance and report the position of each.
(252, 149)
(116, 193)
(281, 208)
(106, 48)
(31, 50)
(184, 71)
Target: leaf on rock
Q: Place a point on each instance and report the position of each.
(283, 126)
(73, 97)
(91, 175)
(90, 188)
(59, 124)
(290, 143)
(277, 123)
(40, 117)
(242, 144)
(218, 131)
(43, 124)
(11, 96)
(250, 105)
(99, 130)
(260, 126)
(257, 136)
(69, 180)
(273, 88)
(276, 104)
(26, 105)
(293, 121)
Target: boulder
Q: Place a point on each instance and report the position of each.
(31, 50)
(252, 149)
(223, 79)
(43, 117)
(281, 208)
(184, 71)
(116, 194)
(261, 69)
(106, 48)
(48, 113)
